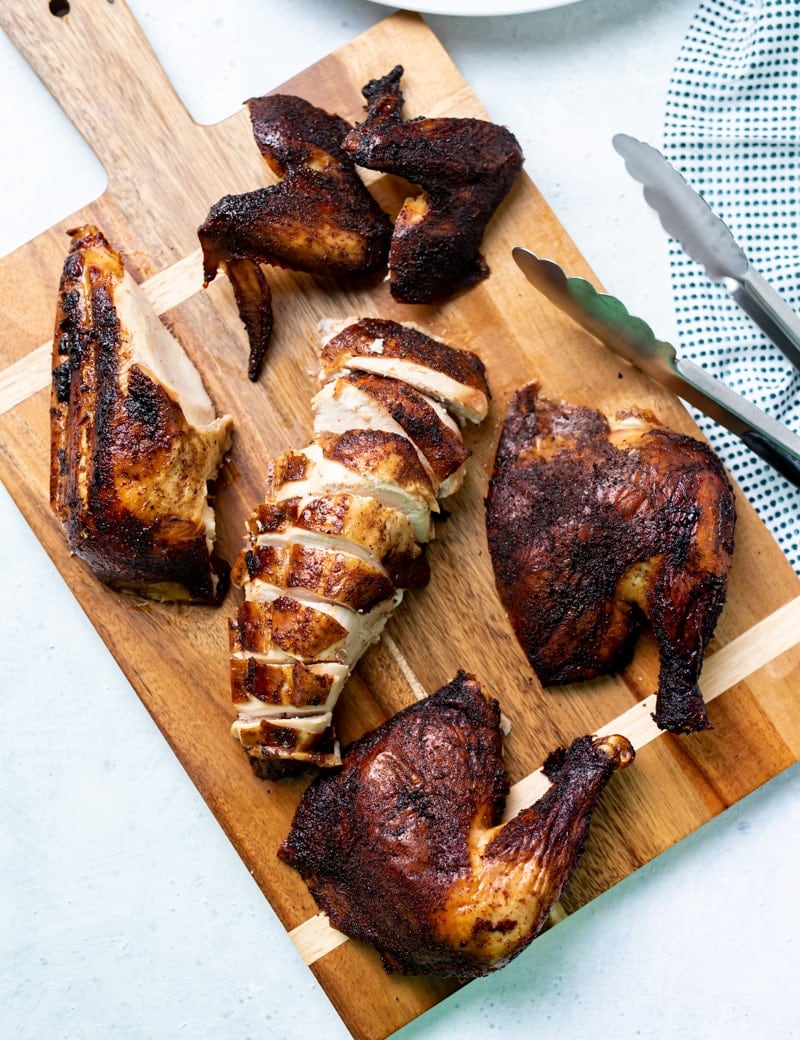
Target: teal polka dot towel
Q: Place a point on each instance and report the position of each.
(732, 127)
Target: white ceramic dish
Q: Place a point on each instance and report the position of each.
(473, 8)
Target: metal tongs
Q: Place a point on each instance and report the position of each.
(706, 238)
(630, 337)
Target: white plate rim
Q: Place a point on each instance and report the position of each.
(476, 8)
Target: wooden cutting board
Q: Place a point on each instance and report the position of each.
(164, 172)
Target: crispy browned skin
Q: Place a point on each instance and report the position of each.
(465, 168)
(319, 218)
(339, 537)
(595, 528)
(441, 448)
(455, 377)
(344, 520)
(129, 471)
(403, 847)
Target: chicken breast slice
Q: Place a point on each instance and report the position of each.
(368, 463)
(277, 745)
(380, 535)
(262, 688)
(361, 400)
(455, 377)
(280, 628)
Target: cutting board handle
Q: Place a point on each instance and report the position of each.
(99, 66)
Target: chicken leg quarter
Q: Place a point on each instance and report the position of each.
(595, 526)
(403, 847)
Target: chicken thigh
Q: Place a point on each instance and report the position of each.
(595, 527)
(403, 847)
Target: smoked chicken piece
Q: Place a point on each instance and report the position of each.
(319, 218)
(371, 463)
(465, 168)
(370, 402)
(598, 526)
(378, 534)
(455, 378)
(134, 436)
(339, 537)
(403, 846)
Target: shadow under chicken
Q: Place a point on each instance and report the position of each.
(597, 527)
(403, 846)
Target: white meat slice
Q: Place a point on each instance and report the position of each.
(281, 628)
(364, 401)
(311, 472)
(380, 535)
(329, 573)
(455, 377)
(265, 689)
(302, 739)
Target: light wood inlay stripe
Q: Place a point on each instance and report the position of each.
(165, 290)
(749, 652)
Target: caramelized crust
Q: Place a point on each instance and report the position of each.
(465, 168)
(329, 573)
(352, 523)
(439, 446)
(383, 339)
(285, 626)
(319, 218)
(457, 378)
(294, 685)
(403, 847)
(595, 527)
(134, 436)
(387, 456)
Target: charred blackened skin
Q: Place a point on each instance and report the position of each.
(127, 469)
(403, 846)
(593, 531)
(465, 168)
(319, 219)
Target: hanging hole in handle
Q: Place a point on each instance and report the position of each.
(59, 8)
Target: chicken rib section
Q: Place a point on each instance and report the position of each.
(596, 526)
(340, 535)
(465, 168)
(319, 218)
(134, 436)
(403, 847)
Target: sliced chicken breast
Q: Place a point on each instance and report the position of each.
(361, 400)
(341, 531)
(456, 378)
(368, 463)
(363, 527)
(329, 573)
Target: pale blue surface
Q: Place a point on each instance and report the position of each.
(124, 911)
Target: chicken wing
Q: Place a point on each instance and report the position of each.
(134, 436)
(595, 526)
(465, 168)
(403, 847)
(319, 218)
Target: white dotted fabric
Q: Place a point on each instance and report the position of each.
(732, 128)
